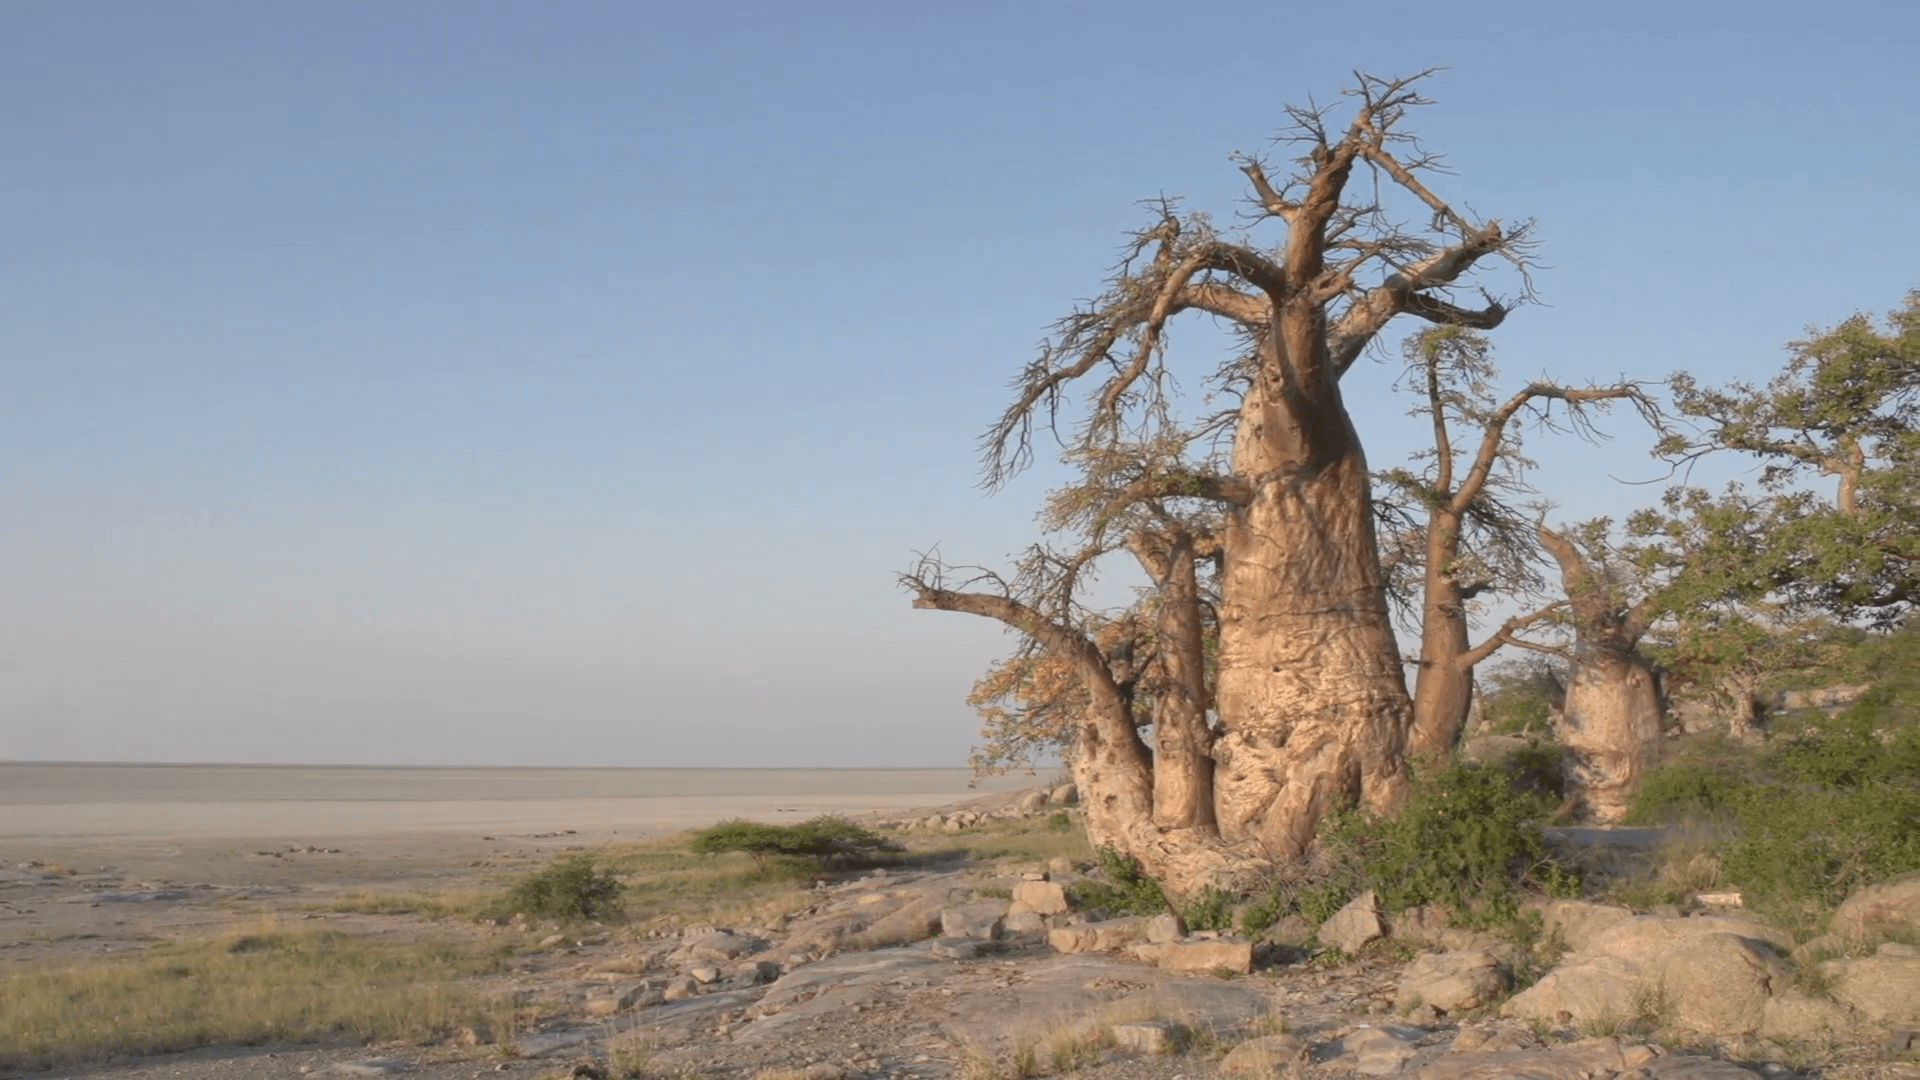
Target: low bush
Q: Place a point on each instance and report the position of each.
(1832, 805)
(570, 888)
(825, 841)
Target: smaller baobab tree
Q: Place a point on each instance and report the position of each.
(1468, 534)
(1611, 720)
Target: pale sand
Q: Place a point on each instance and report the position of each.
(85, 804)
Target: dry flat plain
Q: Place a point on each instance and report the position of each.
(104, 859)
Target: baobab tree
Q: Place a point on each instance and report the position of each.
(1309, 702)
(1469, 535)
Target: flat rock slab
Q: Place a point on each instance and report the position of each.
(840, 982)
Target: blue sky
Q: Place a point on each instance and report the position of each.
(563, 382)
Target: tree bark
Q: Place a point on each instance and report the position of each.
(1443, 684)
(1611, 720)
(1183, 742)
(1312, 700)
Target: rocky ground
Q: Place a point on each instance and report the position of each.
(984, 972)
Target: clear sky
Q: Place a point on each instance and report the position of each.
(560, 382)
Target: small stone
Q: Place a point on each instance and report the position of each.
(680, 989)
(1153, 1037)
(704, 974)
(981, 921)
(1058, 865)
(1024, 922)
(551, 940)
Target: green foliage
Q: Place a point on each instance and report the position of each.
(1517, 697)
(1059, 821)
(828, 841)
(1833, 805)
(1128, 890)
(569, 888)
(1212, 909)
(1467, 838)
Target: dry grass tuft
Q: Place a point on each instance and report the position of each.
(256, 985)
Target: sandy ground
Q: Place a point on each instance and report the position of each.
(98, 859)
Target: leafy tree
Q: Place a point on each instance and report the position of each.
(1310, 701)
(830, 840)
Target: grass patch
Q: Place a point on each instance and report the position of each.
(460, 904)
(263, 985)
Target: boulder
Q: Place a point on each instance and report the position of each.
(1096, 936)
(1292, 929)
(1032, 802)
(1578, 922)
(1886, 909)
(680, 989)
(983, 921)
(1265, 1057)
(1354, 925)
(1064, 795)
(1041, 898)
(1884, 988)
(1705, 974)
(1024, 922)
(1451, 981)
(1794, 1016)
(1235, 956)
(1374, 1051)
(1164, 928)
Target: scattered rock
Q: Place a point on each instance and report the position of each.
(680, 989)
(1885, 989)
(1578, 1061)
(1150, 1037)
(1265, 1057)
(983, 921)
(1203, 956)
(959, 948)
(1707, 975)
(1578, 922)
(1792, 1015)
(1024, 922)
(1096, 936)
(1164, 928)
(1374, 1051)
(1451, 982)
(1354, 925)
(1041, 898)
(1887, 909)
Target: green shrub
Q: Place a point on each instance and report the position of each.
(1833, 805)
(828, 841)
(1467, 838)
(1128, 890)
(570, 888)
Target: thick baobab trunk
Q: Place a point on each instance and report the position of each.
(1609, 727)
(1311, 697)
(1611, 720)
